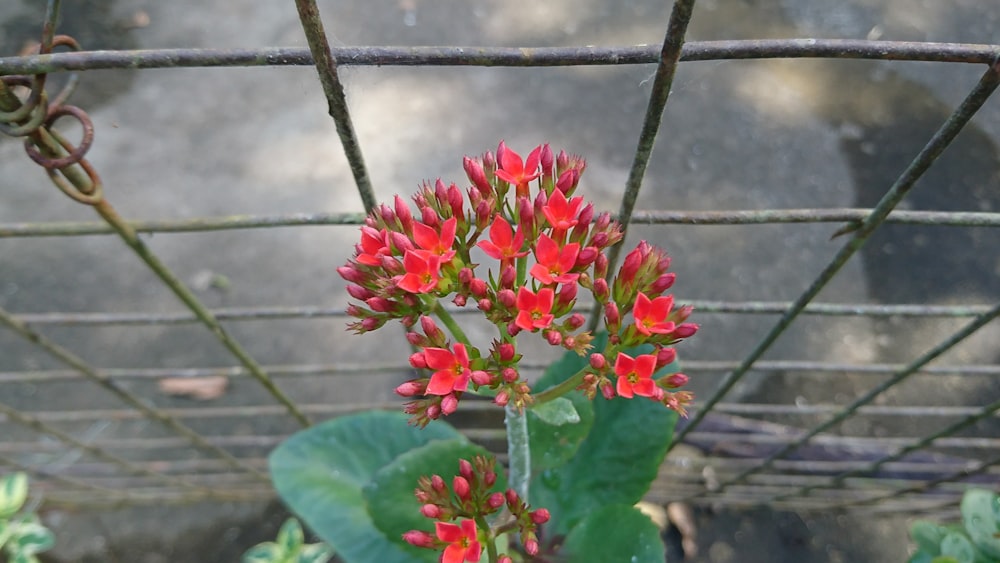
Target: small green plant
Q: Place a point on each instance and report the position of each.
(22, 536)
(289, 547)
(975, 540)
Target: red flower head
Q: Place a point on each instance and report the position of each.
(534, 310)
(554, 263)
(504, 244)
(635, 375)
(421, 272)
(432, 242)
(562, 214)
(463, 541)
(650, 315)
(452, 373)
(515, 171)
(374, 245)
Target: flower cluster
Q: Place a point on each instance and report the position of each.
(542, 245)
(468, 502)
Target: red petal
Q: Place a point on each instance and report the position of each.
(414, 263)
(474, 553)
(454, 553)
(541, 273)
(546, 250)
(524, 321)
(439, 358)
(567, 258)
(469, 529)
(526, 300)
(662, 306)
(644, 365)
(447, 532)
(623, 388)
(644, 388)
(424, 236)
(623, 365)
(441, 383)
(641, 310)
(501, 233)
(491, 250)
(461, 355)
(411, 283)
(545, 299)
(512, 163)
(447, 237)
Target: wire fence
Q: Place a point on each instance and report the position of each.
(732, 453)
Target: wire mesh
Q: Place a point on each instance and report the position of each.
(731, 453)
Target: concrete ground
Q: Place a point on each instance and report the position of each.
(184, 143)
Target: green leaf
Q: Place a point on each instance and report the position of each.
(979, 516)
(615, 464)
(557, 412)
(290, 536)
(315, 553)
(614, 533)
(267, 552)
(24, 558)
(13, 493)
(319, 473)
(928, 536)
(31, 537)
(944, 559)
(390, 498)
(958, 546)
(551, 446)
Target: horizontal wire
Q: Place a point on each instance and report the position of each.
(504, 56)
(648, 217)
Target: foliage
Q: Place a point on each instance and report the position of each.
(975, 540)
(289, 547)
(22, 536)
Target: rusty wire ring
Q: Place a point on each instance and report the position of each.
(39, 113)
(77, 153)
(67, 90)
(96, 186)
(29, 105)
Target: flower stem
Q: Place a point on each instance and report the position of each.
(518, 450)
(491, 540)
(449, 321)
(572, 382)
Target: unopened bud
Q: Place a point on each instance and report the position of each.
(474, 170)
(611, 315)
(437, 483)
(477, 286)
(607, 390)
(540, 516)
(465, 276)
(562, 161)
(485, 305)
(392, 266)
(403, 214)
(431, 511)
(489, 478)
(509, 374)
(531, 547)
(676, 380)
(665, 356)
(430, 328)
(506, 351)
(553, 337)
(350, 273)
(685, 330)
(586, 257)
(480, 377)
(513, 501)
(381, 304)
(513, 329)
(416, 339)
(371, 323)
(358, 292)
(461, 487)
(496, 500)
(418, 360)
(419, 538)
(662, 283)
(455, 201)
(567, 181)
(507, 298)
(387, 214)
(547, 159)
(505, 559)
(489, 162)
(583, 223)
(575, 321)
(567, 294)
(600, 240)
(526, 214)
(502, 399)
(508, 276)
(433, 412)
(598, 361)
(401, 241)
(465, 469)
(483, 212)
(429, 217)
(441, 191)
(449, 404)
(410, 389)
(459, 300)
(601, 289)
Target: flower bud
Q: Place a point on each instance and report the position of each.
(506, 351)
(600, 240)
(513, 501)
(508, 276)
(480, 377)
(433, 412)
(526, 214)
(371, 222)
(430, 328)
(662, 283)
(507, 298)
(583, 223)
(371, 323)
(513, 329)
(547, 159)
(495, 500)
(598, 361)
(502, 399)
(392, 266)
(459, 300)
(505, 559)
(403, 214)
(465, 469)
(586, 257)
(607, 390)
(465, 276)
(461, 487)
(540, 200)
(437, 483)
(358, 292)
(455, 202)
(569, 343)
(676, 380)
(540, 516)
(611, 316)
(489, 162)
(489, 478)
(603, 222)
(416, 339)
(355, 311)
(429, 217)
(509, 374)
(567, 181)
(387, 214)
(410, 389)
(350, 273)
(531, 547)
(381, 304)
(562, 162)
(630, 266)
(441, 191)
(483, 212)
(601, 266)
(419, 538)
(680, 315)
(449, 404)
(485, 305)
(401, 241)
(601, 289)
(431, 511)
(553, 337)
(474, 170)
(665, 356)
(575, 321)
(685, 330)
(566, 295)
(501, 151)
(418, 360)
(477, 287)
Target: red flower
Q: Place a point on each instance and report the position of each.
(432, 242)
(635, 376)
(534, 310)
(421, 272)
(504, 244)
(374, 245)
(562, 214)
(463, 540)
(515, 171)
(554, 263)
(650, 315)
(452, 373)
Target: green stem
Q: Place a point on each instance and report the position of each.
(518, 450)
(566, 386)
(448, 320)
(491, 540)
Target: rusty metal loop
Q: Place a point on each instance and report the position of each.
(96, 190)
(10, 117)
(74, 78)
(39, 114)
(77, 153)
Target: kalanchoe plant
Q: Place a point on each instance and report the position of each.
(975, 540)
(22, 535)
(518, 246)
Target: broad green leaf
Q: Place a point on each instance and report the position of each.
(319, 473)
(944, 559)
(615, 464)
(614, 533)
(267, 552)
(959, 547)
(315, 553)
(921, 556)
(390, 498)
(979, 510)
(928, 536)
(557, 412)
(290, 536)
(24, 558)
(13, 493)
(552, 445)
(32, 537)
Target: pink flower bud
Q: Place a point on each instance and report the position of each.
(387, 214)
(403, 214)
(630, 266)
(601, 266)
(465, 469)
(513, 501)
(586, 257)
(567, 181)
(410, 389)
(449, 404)
(685, 330)
(569, 343)
(540, 516)
(600, 240)
(583, 222)
(483, 212)
(562, 161)
(575, 321)
(531, 547)
(401, 241)
(489, 478)
(358, 292)
(485, 305)
(601, 290)
(355, 311)
(502, 399)
(547, 159)
(477, 286)
(506, 351)
(540, 200)
(431, 511)
(611, 315)
(501, 151)
(474, 197)
(474, 170)
(419, 538)
(480, 377)
(371, 323)
(509, 374)
(437, 483)
(440, 191)
(489, 162)
(553, 337)
(513, 329)
(459, 300)
(392, 266)
(526, 214)
(418, 360)
(662, 283)
(680, 315)
(371, 222)
(676, 380)
(665, 356)
(608, 391)
(496, 500)
(461, 487)
(416, 339)
(350, 273)
(603, 221)
(431, 329)
(433, 412)
(429, 217)
(465, 276)
(381, 304)
(507, 298)
(598, 361)
(566, 295)
(505, 559)
(508, 276)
